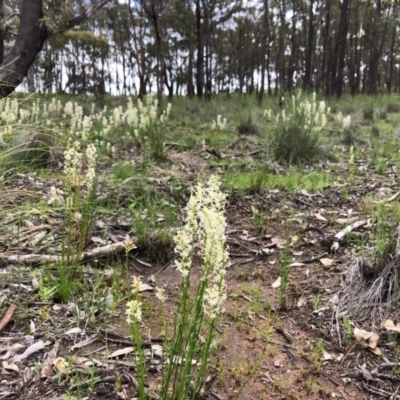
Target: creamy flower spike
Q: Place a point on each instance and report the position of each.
(137, 284)
(133, 311)
(74, 169)
(205, 224)
(346, 122)
(220, 123)
(160, 294)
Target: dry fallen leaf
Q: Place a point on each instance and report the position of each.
(274, 242)
(83, 343)
(277, 283)
(12, 350)
(32, 327)
(144, 287)
(11, 367)
(368, 339)
(377, 351)
(7, 316)
(254, 210)
(267, 251)
(327, 356)
(60, 363)
(48, 363)
(361, 334)
(373, 341)
(390, 326)
(302, 300)
(157, 350)
(320, 217)
(121, 352)
(73, 331)
(327, 262)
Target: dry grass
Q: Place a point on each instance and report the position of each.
(372, 289)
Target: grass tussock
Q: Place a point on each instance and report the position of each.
(296, 139)
(372, 287)
(372, 290)
(247, 126)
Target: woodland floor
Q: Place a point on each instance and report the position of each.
(307, 354)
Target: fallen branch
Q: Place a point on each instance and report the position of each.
(214, 152)
(39, 259)
(394, 197)
(249, 154)
(341, 235)
(312, 259)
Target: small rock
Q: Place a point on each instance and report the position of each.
(277, 364)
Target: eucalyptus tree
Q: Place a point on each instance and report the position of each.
(210, 16)
(264, 49)
(38, 21)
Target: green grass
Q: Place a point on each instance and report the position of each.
(125, 170)
(154, 218)
(258, 180)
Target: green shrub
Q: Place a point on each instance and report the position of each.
(393, 107)
(368, 112)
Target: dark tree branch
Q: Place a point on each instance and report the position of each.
(89, 12)
(31, 36)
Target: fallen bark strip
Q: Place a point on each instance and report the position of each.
(40, 259)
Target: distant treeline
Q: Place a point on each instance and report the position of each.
(199, 48)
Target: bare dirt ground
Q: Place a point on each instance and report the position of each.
(278, 344)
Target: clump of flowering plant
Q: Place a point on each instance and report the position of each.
(199, 308)
(299, 126)
(79, 190)
(134, 319)
(219, 123)
(198, 311)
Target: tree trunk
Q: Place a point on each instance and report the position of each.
(378, 38)
(32, 34)
(341, 46)
(309, 50)
(200, 53)
(280, 62)
(2, 32)
(327, 49)
(264, 45)
(29, 42)
(389, 78)
(190, 88)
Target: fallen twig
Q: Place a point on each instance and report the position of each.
(394, 197)
(39, 259)
(214, 152)
(312, 259)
